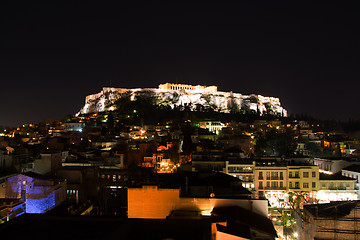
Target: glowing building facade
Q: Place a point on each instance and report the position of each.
(39, 195)
(335, 187)
(199, 88)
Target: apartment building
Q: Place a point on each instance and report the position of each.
(303, 178)
(244, 170)
(271, 183)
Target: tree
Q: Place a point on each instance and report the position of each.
(274, 143)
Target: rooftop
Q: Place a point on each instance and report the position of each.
(334, 177)
(332, 209)
(239, 219)
(353, 168)
(89, 227)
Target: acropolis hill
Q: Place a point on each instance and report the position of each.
(194, 97)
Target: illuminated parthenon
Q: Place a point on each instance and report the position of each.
(175, 86)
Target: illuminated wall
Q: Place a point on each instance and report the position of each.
(39, 195)
(40, 205)
(151, 202)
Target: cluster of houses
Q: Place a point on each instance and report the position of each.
(197, 170)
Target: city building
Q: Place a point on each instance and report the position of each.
(192, 192)
(199, 88)
(336, 187)
(334, 220)
(74, 126)
(333, 165)
(49, 162)
(353, 171)
(212, 126)
(40, 194)
(242, 169)
(271, 182)
(303, 178)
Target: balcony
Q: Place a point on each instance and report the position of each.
(277, 178)
(296, 176)
(340, 188)
(275, 188)
(248, 180)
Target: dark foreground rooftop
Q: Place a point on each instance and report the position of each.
(40, 227)
(331, 210)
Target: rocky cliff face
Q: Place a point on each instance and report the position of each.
(194, 100)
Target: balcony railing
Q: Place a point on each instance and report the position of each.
(276, 178)
(241, 171)
(248, 180)
(275, 188)
(340, 188)
(296, 187)
(294, 176)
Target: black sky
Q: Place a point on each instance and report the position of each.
(53, 54)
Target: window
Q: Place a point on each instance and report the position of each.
(313, 174)
(267, 184)
(290, 184)
(274, 184)
(281, 175)
(261, 185)
(267, 175)
(297, 185)
(347, 185)
(323, 185)
(281, 184)
(290, 174)
(305, 185)
(305, 174)
(274, 175)
(296, 174)
(261, 175)
(313, 184)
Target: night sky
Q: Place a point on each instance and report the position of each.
(53, 54)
